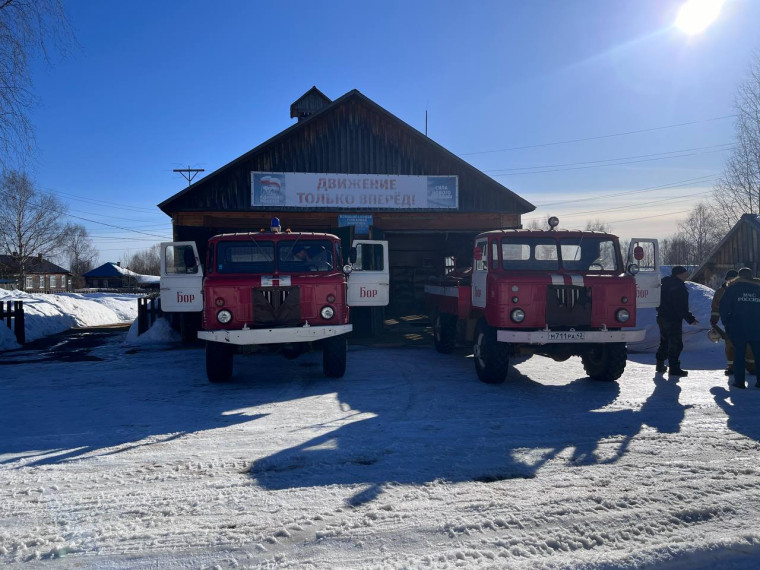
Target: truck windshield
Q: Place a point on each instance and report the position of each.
(524, 253)
(305, 255)
(245, 257)
(587, 254)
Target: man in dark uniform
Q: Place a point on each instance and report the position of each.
(673, 309)
(740, 312)
(749, 358)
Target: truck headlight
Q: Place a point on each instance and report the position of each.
(517, 315)
(622, 315)
(327, 313)
(224, 316)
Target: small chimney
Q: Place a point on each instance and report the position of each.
(118, 264)
(39, 257)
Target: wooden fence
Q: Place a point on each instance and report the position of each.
(148, 311)
(12, 312)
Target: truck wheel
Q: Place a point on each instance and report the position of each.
(605, 362)
(334, 356)
(219, 361)
(491, 357)
(445, 333)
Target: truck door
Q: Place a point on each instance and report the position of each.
(645, 253)
(369, 282)
(181, 277)
(480, 273)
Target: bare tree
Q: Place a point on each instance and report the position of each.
(28, 28)
(675, 250)
(145, 262)
(80, 252)
(702, 231)
(598, 226)
(737, 191)
(29, 221)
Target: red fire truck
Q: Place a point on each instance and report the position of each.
(289, 290)
(551, 292)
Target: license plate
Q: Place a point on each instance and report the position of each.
(566, 335)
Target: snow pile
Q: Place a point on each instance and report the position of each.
(140, 278)
(161, 332)
(46, 314)
(7, 337)
(694, 336)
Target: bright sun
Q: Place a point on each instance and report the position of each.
(696, 15)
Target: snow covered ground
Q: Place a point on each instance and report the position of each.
(136, 461)
(46, 314)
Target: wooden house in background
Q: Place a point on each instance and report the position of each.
(740, 248)
(113, 276)
(40, 275)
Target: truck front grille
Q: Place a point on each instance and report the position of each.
(276, 306)
(568, 306)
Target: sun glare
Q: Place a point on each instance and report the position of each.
(696, 15)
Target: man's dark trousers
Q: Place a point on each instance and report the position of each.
(740, 344)
(671, 341)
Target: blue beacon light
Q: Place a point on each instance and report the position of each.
(275, 225)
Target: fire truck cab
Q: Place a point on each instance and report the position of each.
(551, 292)
(288, 290)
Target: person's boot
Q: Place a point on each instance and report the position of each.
(728, 371)
(739, 384)
(660, 366)
(675, 370)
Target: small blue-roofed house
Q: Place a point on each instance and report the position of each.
(114, 276)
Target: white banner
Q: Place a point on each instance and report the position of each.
(353, 191)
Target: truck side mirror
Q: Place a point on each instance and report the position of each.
(478, 253)
(638, 253)
(352, 255)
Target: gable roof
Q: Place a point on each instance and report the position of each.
(206, 193)
(34, 265)
(753, 220)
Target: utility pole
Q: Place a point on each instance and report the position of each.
(189, 173)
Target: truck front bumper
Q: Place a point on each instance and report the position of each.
(274, 336)
(565, 337)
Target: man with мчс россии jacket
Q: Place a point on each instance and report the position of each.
(740, 313)
(673, 309)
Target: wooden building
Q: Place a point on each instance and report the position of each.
(114, 276)
(40, 274)
(355, 144)
(740, 248)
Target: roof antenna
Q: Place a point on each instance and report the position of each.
(189, 173)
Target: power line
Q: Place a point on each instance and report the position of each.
(626, 133)
(626, 192)
(608, 165)
(587, 212)
(655, 155)
(105, 203)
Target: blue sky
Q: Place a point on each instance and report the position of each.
(156, 86)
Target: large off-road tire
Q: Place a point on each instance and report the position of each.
(491, 357)
(334, 356)
(605, 362)
(219, 361)
(445, 333)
